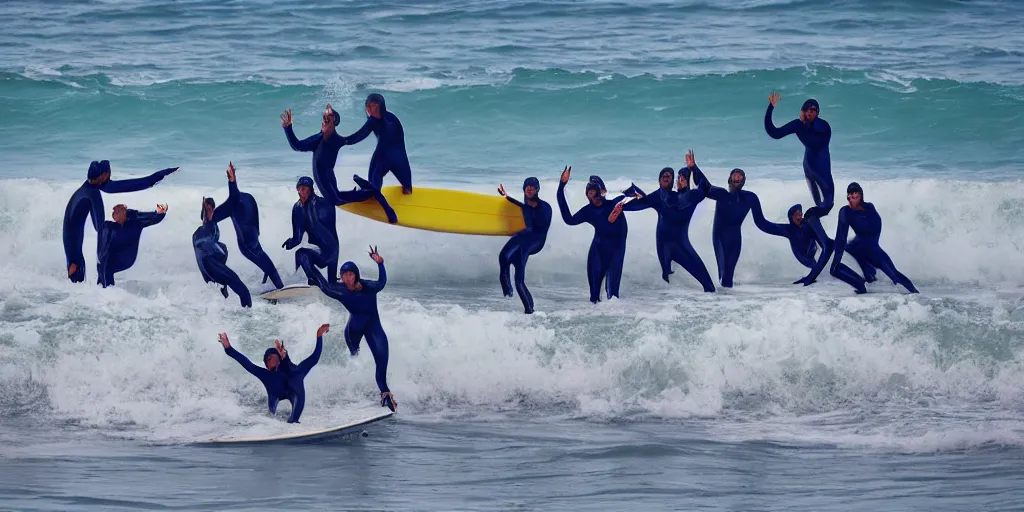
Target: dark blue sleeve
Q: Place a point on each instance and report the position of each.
(842, 231)
(777, 132)
(697, 176)
(136, 184)
(222, 211)
(148, 219)
(308, 363)
(305, 145)
(256, 371)
(542, 222)
(759, 220)
(513, 201)
(563, 208)
(104, 239)
(645, 202)
(96, 212)
(818, 134)
(298, 227)
(527, 219)
(717, 193)
(363, 132)
(382, 279)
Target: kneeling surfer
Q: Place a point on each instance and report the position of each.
(526, 243)
(282, 378)
(117, 244)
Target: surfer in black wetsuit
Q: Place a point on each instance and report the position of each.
(282, 378)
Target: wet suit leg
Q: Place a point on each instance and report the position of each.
(224, 276)
(614, 258)
(879, 259)
(846, 274)
(520, 279)
(595, 271)
(509, 253)
(378, 343)
(684, 254)
(378, 168)
(663, 255)
(255, 254)
(307, 258)
(272, 402)
(823, 190)
(727, 251)
(298, 401)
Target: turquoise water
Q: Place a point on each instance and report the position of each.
(764, 397)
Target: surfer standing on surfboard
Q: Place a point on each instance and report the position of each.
(325, 146)
(312, 215)
(282, 378)
(117, 243)
(526, 243)
(359, 296)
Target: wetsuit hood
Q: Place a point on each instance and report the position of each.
(811, 103)
(337, 118)
(854, 187)
(378, 99)
(305, 180)
(349, 266)
(531, 182)
(98, 168)
(685, 171)
(202, 209)
(596, 183)
(270, 351)
(793, 209)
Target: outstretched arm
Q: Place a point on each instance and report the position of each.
(779, 132)
(768, 227)
(148, 219)
(308, 363)
(136, 184)
(513, 201)
(363, 132)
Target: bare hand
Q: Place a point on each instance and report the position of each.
(501, 190)
(71, 269)
(328, 111)
(374, 256)
(224, 340)
(286, 118)
(690, 161)
(323, 329)
(565, 174)
(280, 349)
(612, 217)
(231, 172)
(774, 98)
(161, 208)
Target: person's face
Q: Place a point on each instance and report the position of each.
(208, 210)
(373, 109)
(349, 278)
(682, 182)
(798, 217)
(531, 192)
(327, 125)
(810, 115)
(736, 181)
(665, 181)
(120, 214)
(273, 360)
(855, 199)
(304, 193)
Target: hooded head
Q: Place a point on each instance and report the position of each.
(97, 169)
(597, 185)
(207, 210)
(349, 273)
(531, 182)
(796, 208)
(271, 358)
(737, 178)
(379, 109)
(304, 193)
(684, 174)
(810, 110)
(854, 194)
(328, 124)
(665, 178)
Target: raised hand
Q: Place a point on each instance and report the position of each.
(286, 118)
(565, 174)
(501, 190)
(280, 349)
(224, 340)
(323, 329)
(774, 98)
(375, 256)
(161, 208)
(231, 172)
(690, 161)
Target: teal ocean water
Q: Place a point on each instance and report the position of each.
(763, 397)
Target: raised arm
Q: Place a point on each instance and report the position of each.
(563, 208)
(779, 132)
(136, 184)
(513, 200)
(308, 363)
(308, 144)
(382, 279)
(700, 181)
(256, 371)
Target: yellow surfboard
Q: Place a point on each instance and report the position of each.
(447, 211)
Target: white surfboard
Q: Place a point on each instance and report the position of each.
(301, 436)
(290, 291)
